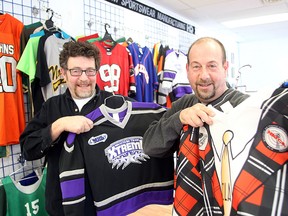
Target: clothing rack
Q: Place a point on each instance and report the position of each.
(14, 160)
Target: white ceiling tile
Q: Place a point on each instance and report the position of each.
(210, 13)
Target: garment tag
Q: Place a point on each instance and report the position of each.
(116, 116)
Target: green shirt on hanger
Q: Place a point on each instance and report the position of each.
(25, 200)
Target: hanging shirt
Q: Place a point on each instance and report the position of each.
(89, 37)
(122, 178)
(3, 151)
(25, 200)
(174, 81)
(145, 73)
(48, 81)
(27, 61)
(12, 118)
(115, 69)
(3, 201)
(27, 31)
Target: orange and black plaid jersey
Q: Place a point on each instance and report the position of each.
(258, 163)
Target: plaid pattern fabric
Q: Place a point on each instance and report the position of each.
(262, 185)
(195, 172)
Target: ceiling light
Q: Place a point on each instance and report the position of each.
(256, 20)
(270, 1)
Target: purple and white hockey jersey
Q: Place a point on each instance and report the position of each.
(122, 178)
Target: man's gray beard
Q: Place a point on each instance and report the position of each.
(84, 95)
(205, 96)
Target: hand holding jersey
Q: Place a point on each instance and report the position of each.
(196, 115)
(67, 123)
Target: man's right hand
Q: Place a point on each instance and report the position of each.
(196, 115)
(75, 124)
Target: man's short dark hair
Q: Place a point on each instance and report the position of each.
(74, 49)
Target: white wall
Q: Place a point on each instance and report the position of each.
(268, 59)
(72, 19)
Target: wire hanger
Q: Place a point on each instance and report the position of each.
(107, 38)
(105, 26)
(27, 167)
(49, 23)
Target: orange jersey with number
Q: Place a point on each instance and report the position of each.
(12, 118)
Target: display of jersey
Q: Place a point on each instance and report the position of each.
(12, 118)
(2, 201)
(174, 81)
(258, 157)
(122, 178)
(155, 53)
(145, 73)
(116, 70)
(27, 31)
(27, 61)
(86, 38)
(48, 81)
(25, 200)
(24, 38)
(27, 65)
(3, 151)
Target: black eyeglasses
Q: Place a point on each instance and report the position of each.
(78, 71)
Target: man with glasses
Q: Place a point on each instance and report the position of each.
(46, 132)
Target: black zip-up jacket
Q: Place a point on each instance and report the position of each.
(36, 141)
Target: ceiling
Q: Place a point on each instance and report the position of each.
(210, 13)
